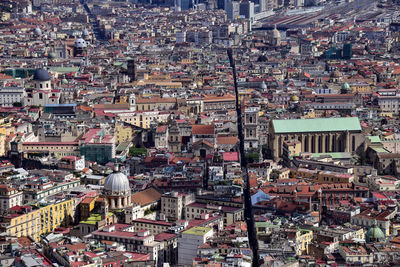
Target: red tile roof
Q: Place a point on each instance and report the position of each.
(203, 129)
(230, 156)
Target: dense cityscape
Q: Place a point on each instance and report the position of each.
(212, 133)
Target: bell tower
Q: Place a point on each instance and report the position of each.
(250, 128)
(132, 102)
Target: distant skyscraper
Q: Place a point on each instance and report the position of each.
(263, 5)
(247, 10)
(186, 4)
(232, 9)
(221, 4)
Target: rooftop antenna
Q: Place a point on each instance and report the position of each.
(248, 214)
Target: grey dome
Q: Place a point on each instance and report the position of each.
(276, 33)
(80, 43)
(41, 75)
(37, 31)
(117, 184)
(263, 85)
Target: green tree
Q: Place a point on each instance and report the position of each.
(137, 151)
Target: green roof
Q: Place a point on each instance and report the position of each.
(92, 219)
(374, 234)
(64, 69)
(374, 139)
(379, 150)
(316, 125)
(200, 231)
(333, 155)
(122, 146)
(267, 225)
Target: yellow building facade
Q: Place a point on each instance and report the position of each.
(304, 238)
(41, 221)
(122, 133)
(361, 88)
(143, 119)
(3, 145)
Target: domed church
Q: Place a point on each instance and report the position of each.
(117, 191)
(374, 233)
(42, 92)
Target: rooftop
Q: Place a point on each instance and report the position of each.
(200, 231)
(317, 125)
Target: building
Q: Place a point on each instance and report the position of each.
(230, 214)
(389, 100)
(203, 132)
(61, 111)
(170, 252)
(9, 197)
(11, 95)
(155, 227)
(122, 133)
(215, 103)
(42, 93)
(143, 119)
(291, 148)
(368, 218)
(72, 163)
(44, 188)
(97, 146)
(56, 149)
(25, 221)
(316, 135)
(189, 241)
(155, 104)
(356, 254)
(247, 10)
(141, 241)
(251, 136)
(161, 137)
(232, 9)
(174, 139)
(173, 204)
(80, 47)
(117, 191)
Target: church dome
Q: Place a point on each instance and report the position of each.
(295, 98)
(374, 234)
(336, 74)
(64, 81)
(80, 43)
(41, 75)
(117, 184)
(263, 85)
(37, 31)
(276, 33)
(345, 86)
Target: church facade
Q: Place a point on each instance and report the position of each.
(323, 135)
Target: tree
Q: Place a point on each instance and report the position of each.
(137, 151)
(17, 104)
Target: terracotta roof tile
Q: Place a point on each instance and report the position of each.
(146, 197)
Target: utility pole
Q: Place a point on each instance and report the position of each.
(248, 214)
